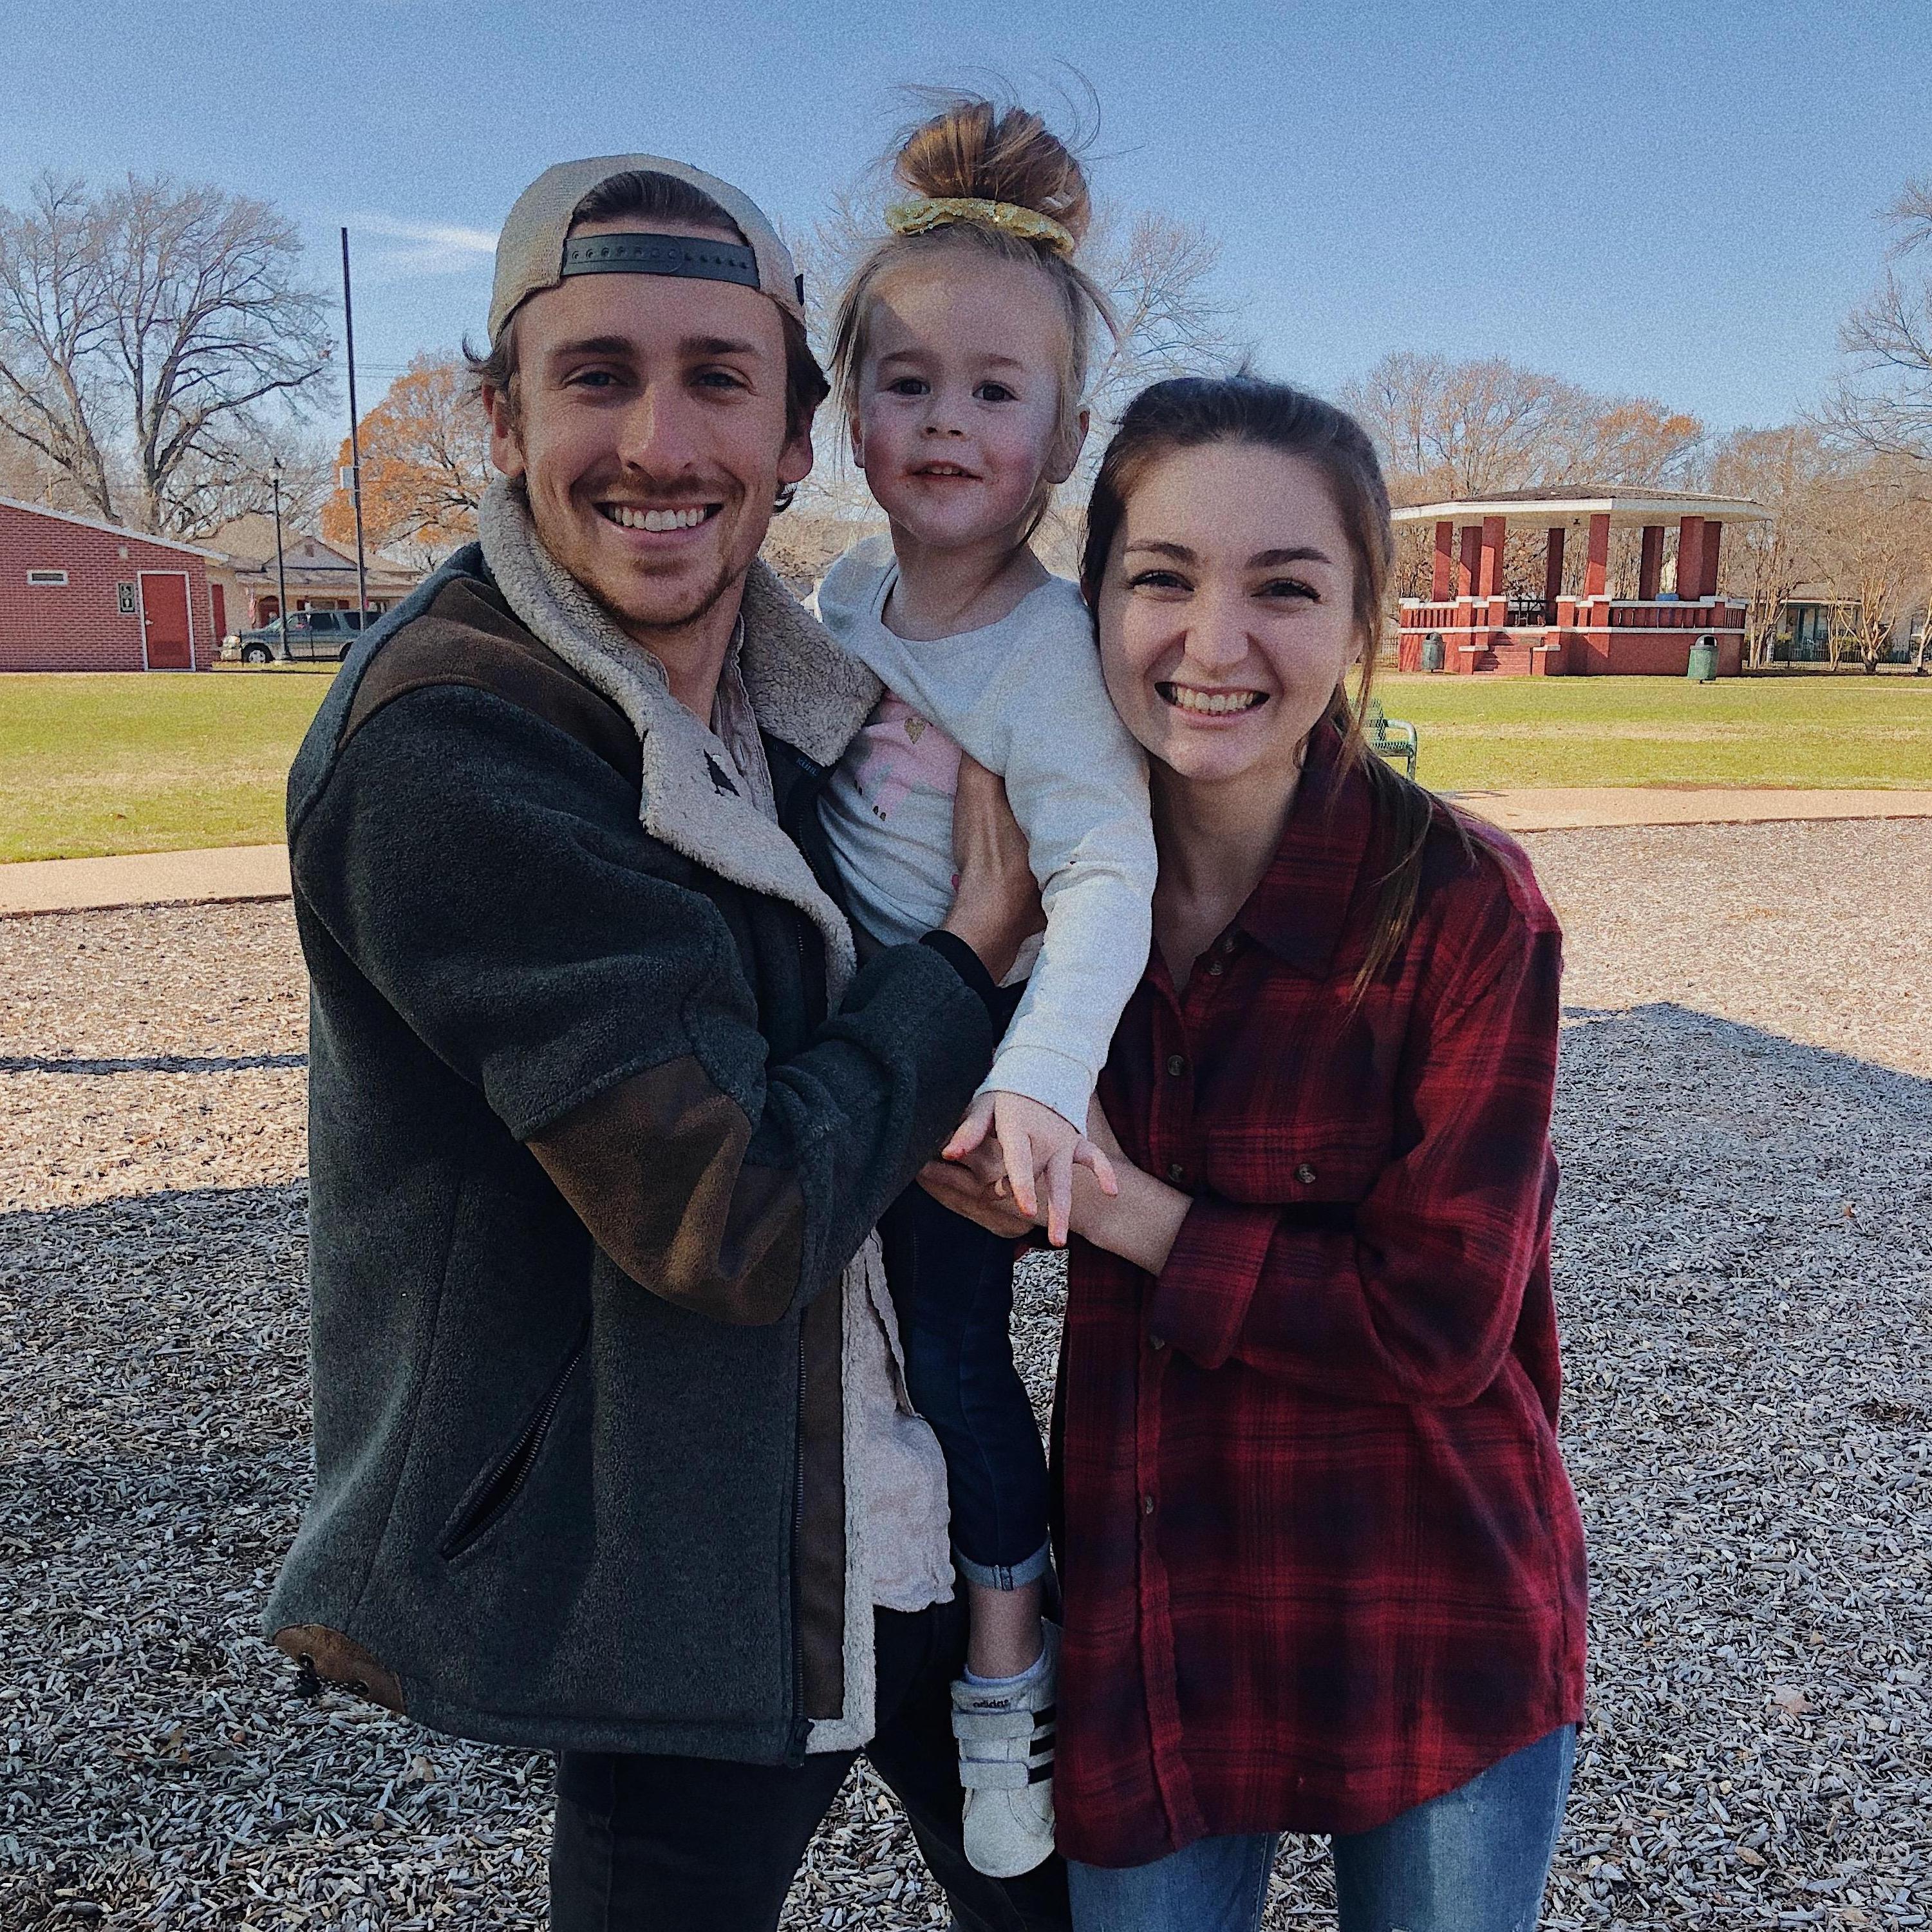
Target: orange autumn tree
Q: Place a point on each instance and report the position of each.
(425, 464)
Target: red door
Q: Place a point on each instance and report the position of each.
(165, 634)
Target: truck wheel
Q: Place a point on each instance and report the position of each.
(255, 654)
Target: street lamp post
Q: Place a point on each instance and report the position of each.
(281, 577)
(355, 438)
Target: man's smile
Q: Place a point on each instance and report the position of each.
(658, 517)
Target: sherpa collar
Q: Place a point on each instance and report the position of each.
(803, 689)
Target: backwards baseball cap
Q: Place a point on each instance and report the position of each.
(535, 251)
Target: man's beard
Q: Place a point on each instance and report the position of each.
(642, 629)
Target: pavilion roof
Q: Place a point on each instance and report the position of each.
(1627, 507)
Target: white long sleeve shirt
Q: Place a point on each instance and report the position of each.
(1025, 697)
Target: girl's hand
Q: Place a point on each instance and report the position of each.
(1040, 1149)
(996, 900)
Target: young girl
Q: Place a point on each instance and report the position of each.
(961, 355)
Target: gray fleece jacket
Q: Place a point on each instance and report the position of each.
(599, 1111)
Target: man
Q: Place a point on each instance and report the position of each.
(611, 1453)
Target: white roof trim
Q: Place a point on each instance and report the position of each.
(113, 529)
(1634, 507)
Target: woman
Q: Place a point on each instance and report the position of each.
(1323, 1569)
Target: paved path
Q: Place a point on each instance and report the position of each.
(1598, 805)
(146, 878)
(261, 871)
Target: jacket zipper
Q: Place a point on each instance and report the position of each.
(804, 789)
(505, 1481)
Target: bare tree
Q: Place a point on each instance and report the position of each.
(1472, 428)
(1159, 275)
(1464, 429)
(1875, 536)
(143, 330)
(1635, 440)
(1785, 471)
(56, 321)
(1883, 404)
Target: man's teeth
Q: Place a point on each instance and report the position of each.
(1190, 699)
(656, 520)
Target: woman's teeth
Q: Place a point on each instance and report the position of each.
(656, 520)
(1213, 702)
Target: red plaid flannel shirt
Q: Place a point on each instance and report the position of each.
(1321, 1560)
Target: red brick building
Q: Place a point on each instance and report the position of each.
(1585, 623)
(76, 595)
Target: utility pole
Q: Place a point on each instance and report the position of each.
(281, 577)
(355, 443)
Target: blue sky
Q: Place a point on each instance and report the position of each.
(1674, 197)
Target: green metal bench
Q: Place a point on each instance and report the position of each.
(1391, 737)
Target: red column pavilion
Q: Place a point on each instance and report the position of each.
(1600, 627)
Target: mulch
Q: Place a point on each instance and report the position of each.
(1745, 1121)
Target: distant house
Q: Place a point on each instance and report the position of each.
(318, 576)
(77, 594)
(1809, 615)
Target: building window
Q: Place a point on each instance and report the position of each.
(51, 577)
(124, 599)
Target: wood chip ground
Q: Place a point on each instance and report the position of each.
(1746, 1125)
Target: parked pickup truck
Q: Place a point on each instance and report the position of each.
(313, 636)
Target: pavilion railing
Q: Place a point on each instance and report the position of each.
(1660, 616)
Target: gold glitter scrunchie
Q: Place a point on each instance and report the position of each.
(916, 218)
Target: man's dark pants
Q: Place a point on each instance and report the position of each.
(682, 1844)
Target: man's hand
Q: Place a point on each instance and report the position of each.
(996, 900)
(957, 1185)
(1040, 1150)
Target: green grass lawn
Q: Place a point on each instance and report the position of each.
(96, 763)
(91, 764)
(1496, 734)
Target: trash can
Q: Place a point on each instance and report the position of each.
(1703, 668)
(1435, 652)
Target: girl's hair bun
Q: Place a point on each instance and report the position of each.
(975, 150)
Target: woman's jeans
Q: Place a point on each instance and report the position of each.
(953, 1286)
(1474, 1860)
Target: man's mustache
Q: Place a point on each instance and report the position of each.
(661, 492)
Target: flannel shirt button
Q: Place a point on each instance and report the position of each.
(1147, 1505)
(1214, 968)
(1176, 1065)
(1157, 1341)
(1305, 1174)
(1176, 1172)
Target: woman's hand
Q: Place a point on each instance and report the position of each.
(1137, 1219)
(1039, 1151)
(995, 898)
(1100, 1132)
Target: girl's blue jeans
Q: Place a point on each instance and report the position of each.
(1474, 1860)
(953, 1286)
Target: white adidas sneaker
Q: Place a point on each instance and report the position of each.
(1006, 1765)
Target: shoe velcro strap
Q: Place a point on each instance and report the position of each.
(993, 1726)
(1011, 1751)
(977, 1774)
